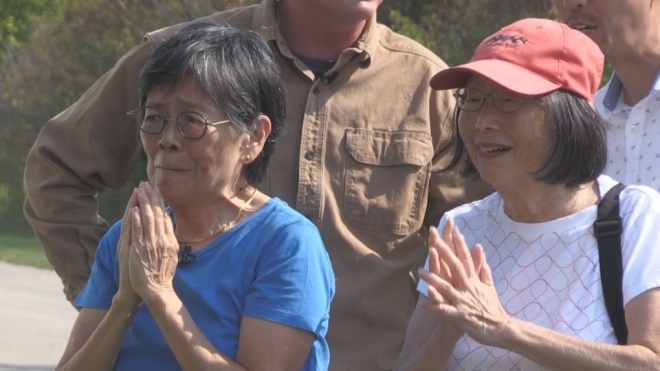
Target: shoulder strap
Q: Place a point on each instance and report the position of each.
(607, 229)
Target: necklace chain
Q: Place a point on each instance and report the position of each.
(225, 226)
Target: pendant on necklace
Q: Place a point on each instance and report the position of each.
(186, 256)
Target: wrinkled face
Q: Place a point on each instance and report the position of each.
(182, 167)
(505, 148)
(349, 9)
(617, 26)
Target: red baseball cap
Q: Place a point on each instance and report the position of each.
(532, 57)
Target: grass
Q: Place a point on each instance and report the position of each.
(23, 250)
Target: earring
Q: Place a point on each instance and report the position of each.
(247, 157)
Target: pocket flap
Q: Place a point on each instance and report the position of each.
(386, 148)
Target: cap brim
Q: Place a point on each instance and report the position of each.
(510, 76)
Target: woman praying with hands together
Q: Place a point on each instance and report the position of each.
(204, 271)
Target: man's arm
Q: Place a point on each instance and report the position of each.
(88, 147)
(448, 190)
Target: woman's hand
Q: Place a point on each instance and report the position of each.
(126, 296)
(154, 248)
(463, 292)
(439, 268)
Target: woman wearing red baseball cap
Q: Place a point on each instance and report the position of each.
(550, 282)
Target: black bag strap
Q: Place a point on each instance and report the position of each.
(607, 229)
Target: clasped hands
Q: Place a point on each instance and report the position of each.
(461, 289)
(147, 249)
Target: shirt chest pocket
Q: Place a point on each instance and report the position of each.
(386, 180)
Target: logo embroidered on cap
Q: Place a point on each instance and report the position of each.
(507, 41)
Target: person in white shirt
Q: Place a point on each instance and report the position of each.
(628, 34)
(528, 295)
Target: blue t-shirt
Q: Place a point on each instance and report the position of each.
(272, 266)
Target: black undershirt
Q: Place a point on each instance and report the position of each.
(318, 66)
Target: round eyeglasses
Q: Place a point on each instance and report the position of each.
(472, 99)
(191, 125)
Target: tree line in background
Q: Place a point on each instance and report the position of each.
(52, 51)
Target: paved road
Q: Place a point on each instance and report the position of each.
(35, 319)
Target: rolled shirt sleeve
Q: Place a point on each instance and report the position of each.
(91, 146)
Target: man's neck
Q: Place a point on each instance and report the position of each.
(638, 73)
(310, 32)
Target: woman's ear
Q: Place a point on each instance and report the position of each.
(252, 146)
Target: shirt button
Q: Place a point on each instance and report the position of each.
(309, 155)
(315, 90)
(635, 129)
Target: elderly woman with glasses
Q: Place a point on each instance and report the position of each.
(529, 294)
(204, 271)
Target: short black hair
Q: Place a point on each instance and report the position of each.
(579, 151)
(235, 68)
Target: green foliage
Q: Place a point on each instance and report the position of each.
(23, 250)
(65, 53)
(56, 49)
(4, 196)
(607, 74)
(16, 17)
(453, 28)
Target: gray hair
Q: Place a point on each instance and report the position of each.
(235, 68)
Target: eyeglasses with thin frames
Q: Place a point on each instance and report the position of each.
(191, 125)
(472, 99)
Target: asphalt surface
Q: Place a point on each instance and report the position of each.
(35, 318)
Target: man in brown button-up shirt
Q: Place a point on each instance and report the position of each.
(360, 141)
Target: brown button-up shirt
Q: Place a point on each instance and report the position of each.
(355, 159)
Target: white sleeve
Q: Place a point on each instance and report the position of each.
(423, 286)
(640, 209)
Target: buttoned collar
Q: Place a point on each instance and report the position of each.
(265, 23)
(613, 100)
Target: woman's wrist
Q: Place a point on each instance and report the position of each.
(450, 331)
(507, 334)
(159, 299)
(126, 303)
(444, 326)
